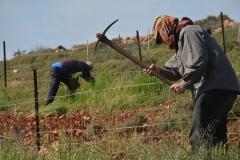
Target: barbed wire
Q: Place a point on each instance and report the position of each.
(112, 129)
(40, 81)
(77, 93)
(169, 136)
(58, 131)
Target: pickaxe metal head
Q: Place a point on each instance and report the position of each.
(102, 34)
(103, 38)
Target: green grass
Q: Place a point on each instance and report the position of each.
(114, 149)
(120, 86)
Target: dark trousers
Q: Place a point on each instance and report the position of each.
(209, 121)
(56, 78)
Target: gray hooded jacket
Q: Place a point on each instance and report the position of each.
(200, 63)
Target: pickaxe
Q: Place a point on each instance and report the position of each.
(103, 34)
(104, 39)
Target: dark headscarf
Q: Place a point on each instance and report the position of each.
(170, 28)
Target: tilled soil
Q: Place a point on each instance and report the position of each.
(84, 127)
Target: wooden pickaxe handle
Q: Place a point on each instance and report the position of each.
(104, 39)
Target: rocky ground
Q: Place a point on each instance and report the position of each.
(85, 127)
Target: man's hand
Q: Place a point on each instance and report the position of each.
(177, 88)
(152, 68)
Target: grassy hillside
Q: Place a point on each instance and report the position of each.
(120, 87)
(107, 63)
(210, 21)
(111, 70)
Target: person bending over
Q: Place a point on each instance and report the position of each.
(68, 72)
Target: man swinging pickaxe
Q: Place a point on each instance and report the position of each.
(104, 39)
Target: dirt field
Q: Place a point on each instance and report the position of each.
(86, 128)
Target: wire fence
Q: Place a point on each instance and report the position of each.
(16, 133)
(28, 141)
(19, 133)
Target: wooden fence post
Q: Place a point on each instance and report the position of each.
(119, 37)
(87, 50)
(239, 33)
(148, 39)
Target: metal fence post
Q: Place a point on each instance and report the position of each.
(224, 47)
(5, 65)
(36, 110)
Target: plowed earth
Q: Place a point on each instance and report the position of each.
(77, 125)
